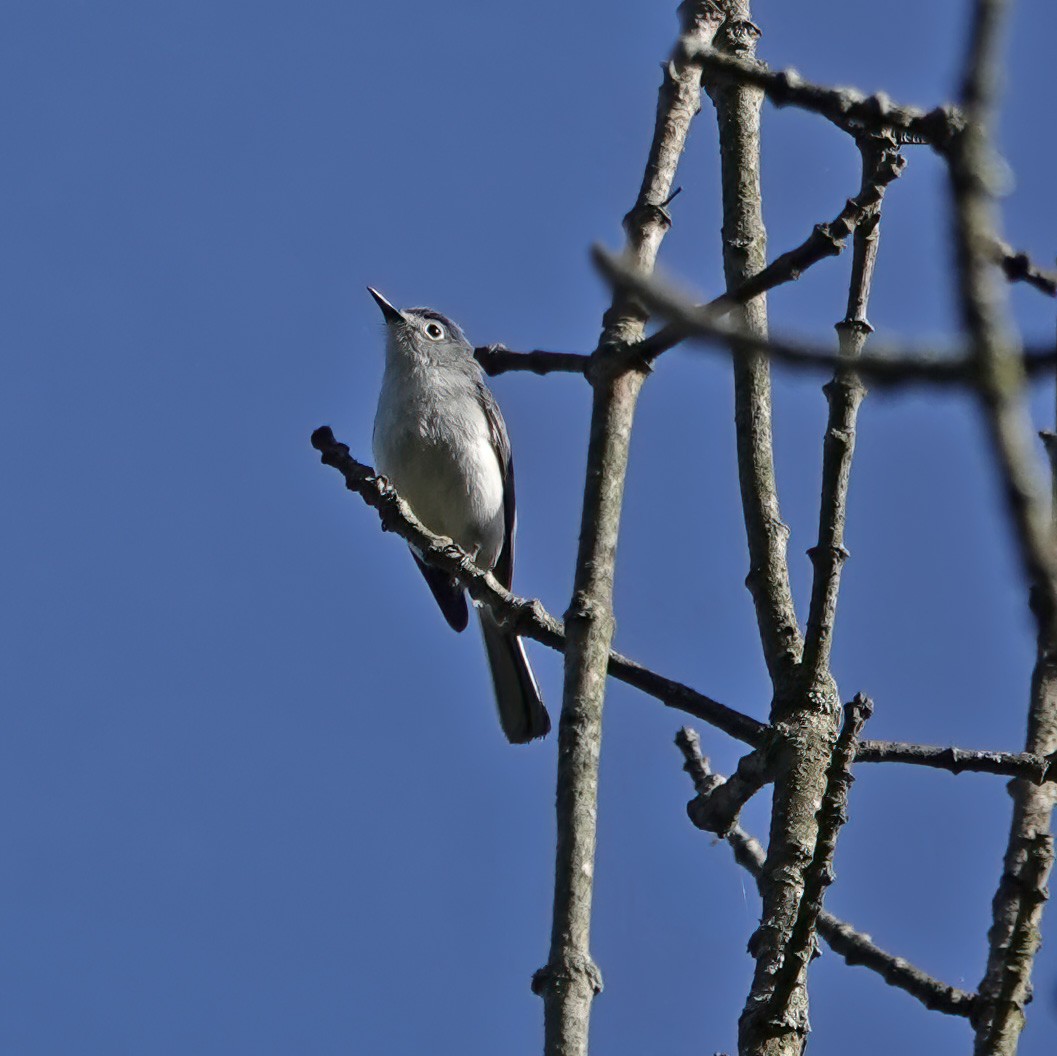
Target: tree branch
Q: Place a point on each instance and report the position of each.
(745, 255)
(1013, 939)
(498, 359)
(527, 617)
(853, 946)
(1037, 769)
(800, 948)
(803, 717)
(570, 979)
(846, 107)
(717, 808)
(825, 240)
(1019, 267)
(892, 366)
(844, 394)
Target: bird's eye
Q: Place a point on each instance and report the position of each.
(434, 331)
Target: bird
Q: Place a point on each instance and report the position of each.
(440, 439)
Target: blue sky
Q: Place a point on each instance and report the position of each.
(255, 797)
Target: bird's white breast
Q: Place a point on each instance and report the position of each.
(435, 446)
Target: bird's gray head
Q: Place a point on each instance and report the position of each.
(421, 332)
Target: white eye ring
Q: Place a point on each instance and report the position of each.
(434, 331)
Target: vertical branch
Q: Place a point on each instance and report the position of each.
(801, 948)
(744, 255)
(774, 1020)
(805, 710)
(1017, 908)
(880, 158)
(804, 718)
(570, 979)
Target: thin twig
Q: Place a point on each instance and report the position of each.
(826, 240)
(844, 393)
(717, 809)
(853, 946)
(744, 256)
(1037, 769)
(498, 359)
(1019, 267)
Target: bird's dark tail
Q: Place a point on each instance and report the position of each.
(517, 697)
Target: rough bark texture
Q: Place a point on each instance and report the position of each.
(570, 980)
(745, 255)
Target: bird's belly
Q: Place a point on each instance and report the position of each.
(460, 497)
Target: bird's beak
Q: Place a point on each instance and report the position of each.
(391, 314)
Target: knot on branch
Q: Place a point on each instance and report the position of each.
(646, 214)
(835, 554)
(858, 326)
(831, 245)
(570, 971)
(718, 803)
(890, 167)
(584, 607)
(740, 35)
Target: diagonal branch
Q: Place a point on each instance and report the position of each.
(853, 946)
(846, 107)
(883, 367)
(528, 618)
(716, 808)
(1019, 267)
(825, 240)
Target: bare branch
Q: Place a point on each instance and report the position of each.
(800, 947)
(717, 809)
(527, 617)
(498, 359)
(893, 366)
(826, 240)
(745, 255)
(846, 107)
(570, 979)
(1013, 939)
(1037, 769)
(803, 717)
(844, 394)
(853, 946)
(1019, 267)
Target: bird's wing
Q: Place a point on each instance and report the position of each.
(504, 566)
(449, 594)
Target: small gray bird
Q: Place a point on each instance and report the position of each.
(441, 441)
